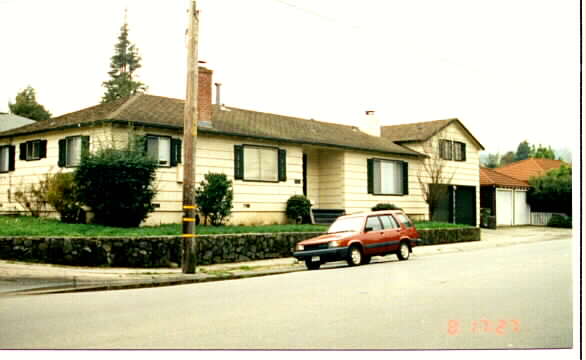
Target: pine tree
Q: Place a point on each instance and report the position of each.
(124, 63)
(26, 105)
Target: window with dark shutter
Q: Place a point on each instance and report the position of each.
(22, 151)
(282, 165)
(175, 152)
(62, 153)
(7, 158)
(11, 157)
(387, 177)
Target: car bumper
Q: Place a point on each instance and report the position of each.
(331, 254)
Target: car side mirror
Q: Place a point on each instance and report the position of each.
(368, 229)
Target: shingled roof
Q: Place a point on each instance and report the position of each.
(157, 111)
(490, 177)
(526, 169)
(421, 131)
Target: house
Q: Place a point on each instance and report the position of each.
(11, 121)
(505, 197)
(268, 157)
(452, 160)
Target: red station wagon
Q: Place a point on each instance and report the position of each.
(356, 238)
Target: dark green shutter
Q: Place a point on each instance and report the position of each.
(62, 152)
(238, 162)
(405, 178)
(441, 149)
(175, 152)
(463, 151)
(146, 145)
(11, 157)
(85, 146)
(22, 155)
(370, 175)
(282, 165)
(43, 149)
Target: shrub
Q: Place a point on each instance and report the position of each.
(298, 209)
(33, 197)
(118, 185)
(213, 197)
(385, 206)
(62, 196)
(560, 221)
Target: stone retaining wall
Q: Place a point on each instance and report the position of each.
(165, 251)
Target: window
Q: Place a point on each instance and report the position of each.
(452, 150)
(373, 223)
(33, 150)
(259, 163)
(388, 222)
(164, 149)
(387, 177)
(6, 158)
(71, 148)
(405, 220)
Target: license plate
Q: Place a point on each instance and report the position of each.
(314, 258)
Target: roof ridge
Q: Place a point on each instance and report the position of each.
(124, 105)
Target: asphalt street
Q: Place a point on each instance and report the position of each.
(511, 297)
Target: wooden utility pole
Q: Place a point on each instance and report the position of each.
(189, 145)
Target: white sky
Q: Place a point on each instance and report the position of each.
(508, 69)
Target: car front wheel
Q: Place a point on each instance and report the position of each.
(311, 265)
(403, 253)
(354, 256)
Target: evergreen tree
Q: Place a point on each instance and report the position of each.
(507, 158)
(124, 63)
(542, 152)
(523, 151)
(26, 105)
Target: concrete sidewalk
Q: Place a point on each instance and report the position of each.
(19, 278)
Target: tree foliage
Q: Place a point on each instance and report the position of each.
(507, 158)
(123, 66)
(117, 184)
(552, 192)
(26, 105)
(523, 151)
(214, 197)
(62, 196)
(542, 152)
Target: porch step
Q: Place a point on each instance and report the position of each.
(326, 216)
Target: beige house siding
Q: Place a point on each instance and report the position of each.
(357, 198)
(313, 176)
(331, 179)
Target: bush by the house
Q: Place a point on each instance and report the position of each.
(385, 206)
(560, 221)
(61, 195)
(298, 209)
(118, 185)
(33, 197)
(214, 197)
(552, 192)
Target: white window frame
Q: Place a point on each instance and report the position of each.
(163, 155)
(385, 171)
(261, 163)
(4, 158)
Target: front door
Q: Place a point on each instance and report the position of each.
(465, 205)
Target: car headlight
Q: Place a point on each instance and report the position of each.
(299, 247)
(333, 244)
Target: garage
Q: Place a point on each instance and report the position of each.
(505, 198)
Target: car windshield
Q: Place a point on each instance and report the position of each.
(353, 224)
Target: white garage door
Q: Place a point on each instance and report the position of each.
(522, 211)
(504, 207)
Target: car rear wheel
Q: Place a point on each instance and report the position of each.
(311, 265)
(404, 252)
(354, 256)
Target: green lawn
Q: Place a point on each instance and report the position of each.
(30, 226)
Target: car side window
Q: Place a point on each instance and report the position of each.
(373, 223)
(388, 222)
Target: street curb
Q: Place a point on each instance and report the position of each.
(142, 284)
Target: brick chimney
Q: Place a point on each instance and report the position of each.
(204, 95)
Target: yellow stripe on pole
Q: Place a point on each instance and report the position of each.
(188, 235)
(189, 207)
(188, 219)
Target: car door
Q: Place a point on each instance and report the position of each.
(372, 237)
(391, 233)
